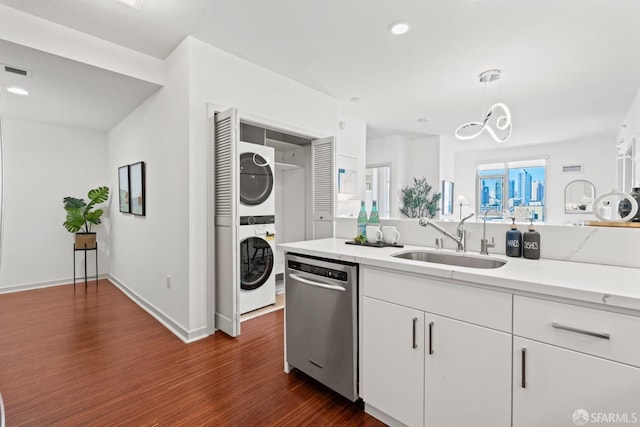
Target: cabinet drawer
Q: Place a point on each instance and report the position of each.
(597, 332)
(467, 303)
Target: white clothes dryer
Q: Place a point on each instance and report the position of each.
(257, 246)
(256, 180)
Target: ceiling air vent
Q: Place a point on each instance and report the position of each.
(15, 70)
(571, 168)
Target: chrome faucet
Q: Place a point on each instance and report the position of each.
(484, 244)
(461, 234)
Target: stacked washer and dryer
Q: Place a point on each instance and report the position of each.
(256, 232)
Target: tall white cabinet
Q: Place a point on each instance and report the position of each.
(292, 194)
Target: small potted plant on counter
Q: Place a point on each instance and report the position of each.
(82, 215)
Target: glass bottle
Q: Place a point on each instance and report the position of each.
(374, 218)
(362, 220)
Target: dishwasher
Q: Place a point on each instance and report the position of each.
(321, 321)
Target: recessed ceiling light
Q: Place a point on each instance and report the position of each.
(355, 99)
(400, 28)
(136, 4)
(17, 90)
(423, 120)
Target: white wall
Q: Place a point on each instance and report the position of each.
(44, 163)
(409, 158)
(595, 153)
(148, 249)
(351, 147)
(423, 160)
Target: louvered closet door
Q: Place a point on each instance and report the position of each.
(323, 186)
(226, 193)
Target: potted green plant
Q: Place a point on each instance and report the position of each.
(416, 201)
(82, 215)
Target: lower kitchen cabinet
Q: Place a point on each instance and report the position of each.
(439, 354)
(427, 370)
(552, 385)
(467, 374)
(393, 360)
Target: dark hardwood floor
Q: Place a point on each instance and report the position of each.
(97, 359)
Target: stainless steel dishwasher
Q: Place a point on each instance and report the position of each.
(321, 321)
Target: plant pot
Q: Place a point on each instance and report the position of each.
(85, 240)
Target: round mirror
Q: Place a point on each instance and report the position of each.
(609, 207)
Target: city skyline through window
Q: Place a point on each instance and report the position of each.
(514, 190)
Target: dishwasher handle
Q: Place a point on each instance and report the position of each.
(314, 283)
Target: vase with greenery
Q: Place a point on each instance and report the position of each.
(81, 216)
(416, 201)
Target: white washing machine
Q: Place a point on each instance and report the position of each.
(256, 180)
(256, 235)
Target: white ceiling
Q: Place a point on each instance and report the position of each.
(67, 92)
(571, 68)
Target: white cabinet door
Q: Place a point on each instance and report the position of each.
(467, 374)
(223, 204)
(323, 186)
(393, 360)
(552, 385)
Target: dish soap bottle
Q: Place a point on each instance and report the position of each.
(374, 218)
(362, 221)
(531, 243)
(514, 240)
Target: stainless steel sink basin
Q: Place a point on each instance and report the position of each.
(451, 259)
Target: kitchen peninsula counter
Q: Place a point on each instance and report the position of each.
(610, 286)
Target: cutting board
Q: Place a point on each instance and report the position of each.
(613, 224)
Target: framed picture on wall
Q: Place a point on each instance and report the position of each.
(123, 185)
(136, 179)
(447, 197)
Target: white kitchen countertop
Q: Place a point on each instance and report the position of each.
(594, 283)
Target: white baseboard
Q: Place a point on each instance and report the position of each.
(47, 284)
(173, 326)
(381, 416)
(168, 322)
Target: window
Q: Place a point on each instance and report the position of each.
(514, 189)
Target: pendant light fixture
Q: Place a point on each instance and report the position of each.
(499, 111)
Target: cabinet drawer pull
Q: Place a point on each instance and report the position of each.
(603, 335)
(415, 325)
(430, 338)
(524, 370)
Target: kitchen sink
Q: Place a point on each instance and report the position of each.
(451, 259)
